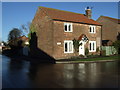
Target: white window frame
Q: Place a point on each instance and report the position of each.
(92, 42)
(93, 29)
(71, 28)
(68, 47)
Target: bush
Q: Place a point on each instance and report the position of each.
(76, 45)
(81, 56)
(103, 52)
(97, 50)
(86, 51)
(116, 44)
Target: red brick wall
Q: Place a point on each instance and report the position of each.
(109, 29)
(50, 32)
(44, 31)
(78, 29)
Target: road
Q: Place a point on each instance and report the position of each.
(22, 74)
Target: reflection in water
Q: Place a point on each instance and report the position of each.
(14, 73)
(81, 66)
(82, 72)
(14, 64)
(82, 75)
(69, 66)
(33, 70)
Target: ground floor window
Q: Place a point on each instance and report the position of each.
(68, 46)
(92, 46)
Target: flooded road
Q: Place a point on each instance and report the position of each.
(16, 74)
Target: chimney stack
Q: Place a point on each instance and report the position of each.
(88, 12)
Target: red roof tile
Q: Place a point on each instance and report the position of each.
(68, 16)
(81, 36)
(23, 38)
(112, 19)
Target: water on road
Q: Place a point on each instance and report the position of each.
(22, 74)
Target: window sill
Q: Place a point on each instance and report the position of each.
(92, 51)
(91, 33)
(68, 31)
(68, 52)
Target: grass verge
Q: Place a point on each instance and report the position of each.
(116, 57)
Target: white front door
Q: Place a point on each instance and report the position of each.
(81, 49)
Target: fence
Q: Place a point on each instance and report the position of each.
(109, 50)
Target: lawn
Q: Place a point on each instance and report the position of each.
(116, 57)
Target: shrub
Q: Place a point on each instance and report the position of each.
(76, 45)
(103, 52)
(86, 51)
(81, 56)
(97, 50)
(116, 44)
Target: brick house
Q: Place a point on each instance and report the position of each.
(55, 30)
(24, 39)
(1, 46)
(110, 29)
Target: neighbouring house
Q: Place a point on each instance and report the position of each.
(24, 39)
(22, 45)
(1, 46)
(110, 29)
(107, 43)
(56, 29)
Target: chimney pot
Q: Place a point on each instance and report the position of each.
(88, 12)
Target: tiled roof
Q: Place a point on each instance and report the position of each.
(23, 38)
(81, 36)
(112, 19)
(68, 16)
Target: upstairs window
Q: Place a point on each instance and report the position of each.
(68, 27)
(92, 29)
(65, 26)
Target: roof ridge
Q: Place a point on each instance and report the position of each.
(60, 10)
(67, 16)
(110, 17)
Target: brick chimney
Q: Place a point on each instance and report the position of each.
(88, 12)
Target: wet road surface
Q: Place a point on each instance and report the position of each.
(16, 74)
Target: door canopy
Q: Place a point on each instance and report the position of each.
(83, 38)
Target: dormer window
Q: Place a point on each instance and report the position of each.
(92, 29)
(68, 27)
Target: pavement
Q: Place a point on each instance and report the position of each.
(68, 62)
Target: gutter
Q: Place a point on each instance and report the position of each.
(77, 22)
